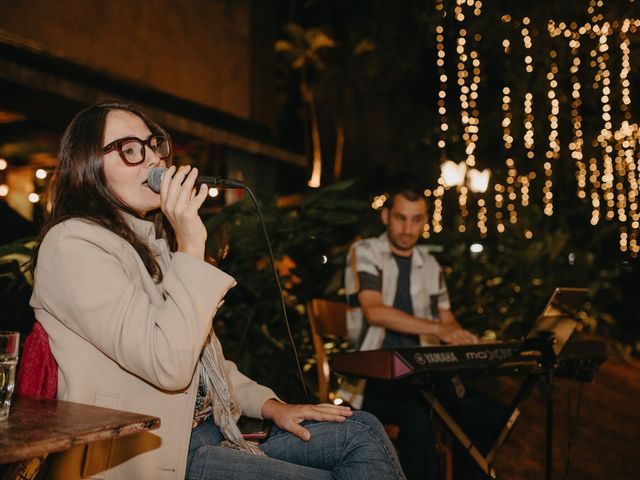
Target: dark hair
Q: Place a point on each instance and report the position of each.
(79, 188)
(410, 192)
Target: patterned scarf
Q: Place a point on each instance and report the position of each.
(226, 409)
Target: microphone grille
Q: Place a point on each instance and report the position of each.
(155, 178)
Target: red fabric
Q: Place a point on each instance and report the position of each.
(38, 372)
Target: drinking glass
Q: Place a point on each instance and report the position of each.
(9, 343)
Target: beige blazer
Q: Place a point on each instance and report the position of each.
(122, 341)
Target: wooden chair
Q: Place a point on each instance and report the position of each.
(328, 320)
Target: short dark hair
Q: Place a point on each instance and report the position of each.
(408, 191)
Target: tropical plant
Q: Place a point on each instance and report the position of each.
(309, 243)
(302, 50)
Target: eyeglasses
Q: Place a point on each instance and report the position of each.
(131, 149)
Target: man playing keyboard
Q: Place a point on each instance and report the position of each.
(397, 298)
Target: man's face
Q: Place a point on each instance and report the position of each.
(405, 222)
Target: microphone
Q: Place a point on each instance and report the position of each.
(155, 179)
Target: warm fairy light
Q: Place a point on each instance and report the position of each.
(469, 114)
(623, 240)
(464, 210)
(378, 201)
(526, 39)
(34, 197)
(464, 89)
(41, 173)
(499, 198)
(624, 71)
(457, 12)
(213, 192)
(477, 10)
(608, 178)
(528, 125)
(425, 231)
(603, 79)
(4, 190)
(553, 152)
(511, 172)
(611, 172)
(512, 176)
(436, 219)
(442, 94)
(442, 110)
(3, 164)
(524, 190)
(482, 218)
(625, 141)
(577, 142)
(468, 79)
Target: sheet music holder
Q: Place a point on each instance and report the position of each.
(559, 316)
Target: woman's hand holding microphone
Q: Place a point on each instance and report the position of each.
(180, 202)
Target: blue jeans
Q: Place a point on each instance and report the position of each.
(355, 449)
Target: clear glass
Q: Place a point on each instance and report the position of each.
(9, 344)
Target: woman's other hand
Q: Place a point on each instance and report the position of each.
(288, 417)
(180, 202)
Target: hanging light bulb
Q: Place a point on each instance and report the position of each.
(453, 174)
(479, 180)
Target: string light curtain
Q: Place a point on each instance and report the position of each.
(594, 57)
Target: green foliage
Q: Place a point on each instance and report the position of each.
(501, 290)
(309, 242)
(15, 264)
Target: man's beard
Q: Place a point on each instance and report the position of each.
(399, 246)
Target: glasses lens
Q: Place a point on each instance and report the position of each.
(132, 151)
(161, 146)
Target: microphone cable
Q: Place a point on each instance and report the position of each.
(154, 182)
(282, 304)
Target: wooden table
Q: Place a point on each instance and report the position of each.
(38, 427)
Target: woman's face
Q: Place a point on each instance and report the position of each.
(128, 183)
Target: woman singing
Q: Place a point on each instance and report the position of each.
(127, 300)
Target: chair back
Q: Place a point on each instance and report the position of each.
(327, 319)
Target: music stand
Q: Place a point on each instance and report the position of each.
(551, 331)
(559, 316)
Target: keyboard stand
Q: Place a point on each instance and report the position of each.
(459, 434)
(545, 369)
